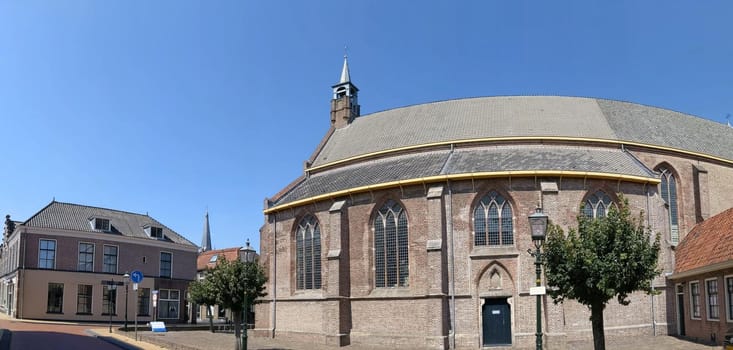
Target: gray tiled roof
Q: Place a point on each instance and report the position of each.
(67, 216)
(467, 160)
(535, 116)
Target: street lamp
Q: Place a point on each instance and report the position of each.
(126, 277)
(111, 286)
(538, 226)
(249, 255)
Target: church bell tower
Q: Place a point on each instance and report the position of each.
(345, 103)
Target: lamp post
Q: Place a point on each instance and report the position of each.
(126, 277)
(538, 225)
(249, 255)
(111, 287)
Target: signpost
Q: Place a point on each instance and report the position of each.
(136, 277)
(155, 305)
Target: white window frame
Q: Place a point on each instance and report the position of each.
(55, 253)
(160, 264)
(692, 298)
(93, 222)
(728, 315)
(177, 301)
(117, 260)
(78, 254)
(707, 299)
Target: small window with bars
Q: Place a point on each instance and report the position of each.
(391, 261)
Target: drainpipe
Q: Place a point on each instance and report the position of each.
(451, 274)
(274, 273)
(649, 224)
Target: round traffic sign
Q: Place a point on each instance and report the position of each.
(136, 276)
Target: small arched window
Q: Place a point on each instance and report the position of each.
(308, 254)
(492, 221)
(668, 189)
(390, 246)
(597, 205)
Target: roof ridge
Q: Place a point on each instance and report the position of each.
(96, 207)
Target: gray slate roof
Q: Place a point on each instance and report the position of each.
(467, 160)
(535, 116)
(67, 216)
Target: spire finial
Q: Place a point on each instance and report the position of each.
(345, 76)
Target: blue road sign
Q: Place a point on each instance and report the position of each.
(136, 276)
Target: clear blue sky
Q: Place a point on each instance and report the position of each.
(173, 107)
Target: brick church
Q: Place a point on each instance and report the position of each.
(408, 227)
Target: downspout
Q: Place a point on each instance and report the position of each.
(649, 224)
(19, 300)
(274, 274)
(451, 274)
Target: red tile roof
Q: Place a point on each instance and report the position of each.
(710, 242)
(204, 259)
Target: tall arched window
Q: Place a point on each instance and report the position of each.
(390, 246)
(308, 254)
(492, 221)
(597, 205)
(668, 189)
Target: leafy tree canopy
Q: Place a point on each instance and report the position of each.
(604, 258)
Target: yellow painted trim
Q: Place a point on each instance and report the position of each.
(519, 138)
(464, 176)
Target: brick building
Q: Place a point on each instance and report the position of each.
(409, 226)
(703, 279)
(55, 265)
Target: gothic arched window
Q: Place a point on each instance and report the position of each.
(390, 246)
(308, 254)
(668, 189)
(597, 205)
(492, 221)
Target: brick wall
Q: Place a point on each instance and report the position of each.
(419, 315)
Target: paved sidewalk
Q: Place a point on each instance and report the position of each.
(205, 340)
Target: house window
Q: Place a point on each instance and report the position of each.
(308, 254)
(143, 302)
(110, 259)
(109, 300)
(712, 293)
(729, 296)
(55, 298)
(47, 254)
(101, 224)
(597, 205)
(156, 232)
(492, 221)
(84, 300)
(165, 264)
(390, 246)
(168, 303)
(86, 257)
(695, 299)
(668, 189)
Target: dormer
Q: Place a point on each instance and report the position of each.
(100, 224)
(154, 232)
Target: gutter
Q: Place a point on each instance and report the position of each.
(701, 270)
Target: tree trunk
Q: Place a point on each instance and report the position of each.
(211, 318)
(237, 328)
(596, 317)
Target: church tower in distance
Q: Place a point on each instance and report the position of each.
(345, 103)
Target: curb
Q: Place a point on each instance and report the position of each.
(112, 340)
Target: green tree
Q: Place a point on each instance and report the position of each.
(233, 285)
(607, 257)
(202, 293)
